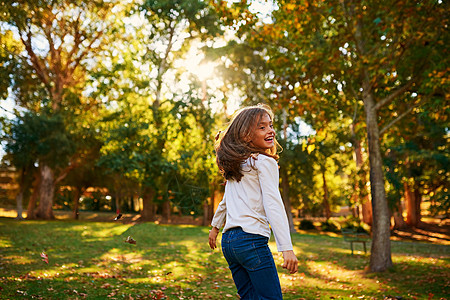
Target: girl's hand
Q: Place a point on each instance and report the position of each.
(212, 237)
(290, 261)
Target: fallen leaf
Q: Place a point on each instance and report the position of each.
(130, 240)
(44, 257)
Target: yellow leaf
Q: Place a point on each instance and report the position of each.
(290, 6)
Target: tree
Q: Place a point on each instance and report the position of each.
(172, 27)
(417, 162)
(381, 53)
(71, 33)
(346, 55)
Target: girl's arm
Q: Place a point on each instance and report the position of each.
(217, 222)
(275, 212)
(272, 202)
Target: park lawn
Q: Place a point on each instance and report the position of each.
(90, 260)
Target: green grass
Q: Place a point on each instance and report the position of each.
(90, 260)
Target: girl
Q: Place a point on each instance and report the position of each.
(246, 155)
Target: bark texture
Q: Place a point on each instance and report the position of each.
(19, 203)
(46, 193)
(413, 199)
(362, 197)
(380, 258)
(31, 210)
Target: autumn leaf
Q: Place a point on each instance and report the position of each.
(44, 257)
(130, 240)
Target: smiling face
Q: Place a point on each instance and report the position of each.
(264, 135)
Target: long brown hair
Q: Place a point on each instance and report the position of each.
(233, 145)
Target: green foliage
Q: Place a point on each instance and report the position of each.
(200, 15)
(39, 138)
(8, 62)
(306, 225)
(330, 226)
(355, 224)
(421, 158)
(308, 159)
(104, 92)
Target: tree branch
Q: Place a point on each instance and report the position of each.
(77, 38)
(393, 95)
(71, 69)
(74, 163)
(390, 124)
(36, 63)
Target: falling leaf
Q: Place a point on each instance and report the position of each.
(44, 257)
(130, 240)
(118, 217)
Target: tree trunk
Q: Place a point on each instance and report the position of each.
(19, 203)
(367, 215)
(418, 202)
(411, 206)
(46, 193)
(286, 198)
(31, 210)
(326, 201)
(399, 223)
(148, 208)
(205, 220)
(380, 258)
(355, 209)
(117, 199)
(76, 202)
(166, 211)
(361, 196)
(19, 196)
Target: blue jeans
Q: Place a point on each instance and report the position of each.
(251, 264)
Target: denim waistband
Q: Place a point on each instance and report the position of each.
(235, 229)
(237, 233)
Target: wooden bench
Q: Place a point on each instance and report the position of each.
(351, 236)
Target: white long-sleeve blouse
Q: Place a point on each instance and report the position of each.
(255, 202)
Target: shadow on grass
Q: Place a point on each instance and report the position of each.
(91, 260)
(327, 262)
(87, 256)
